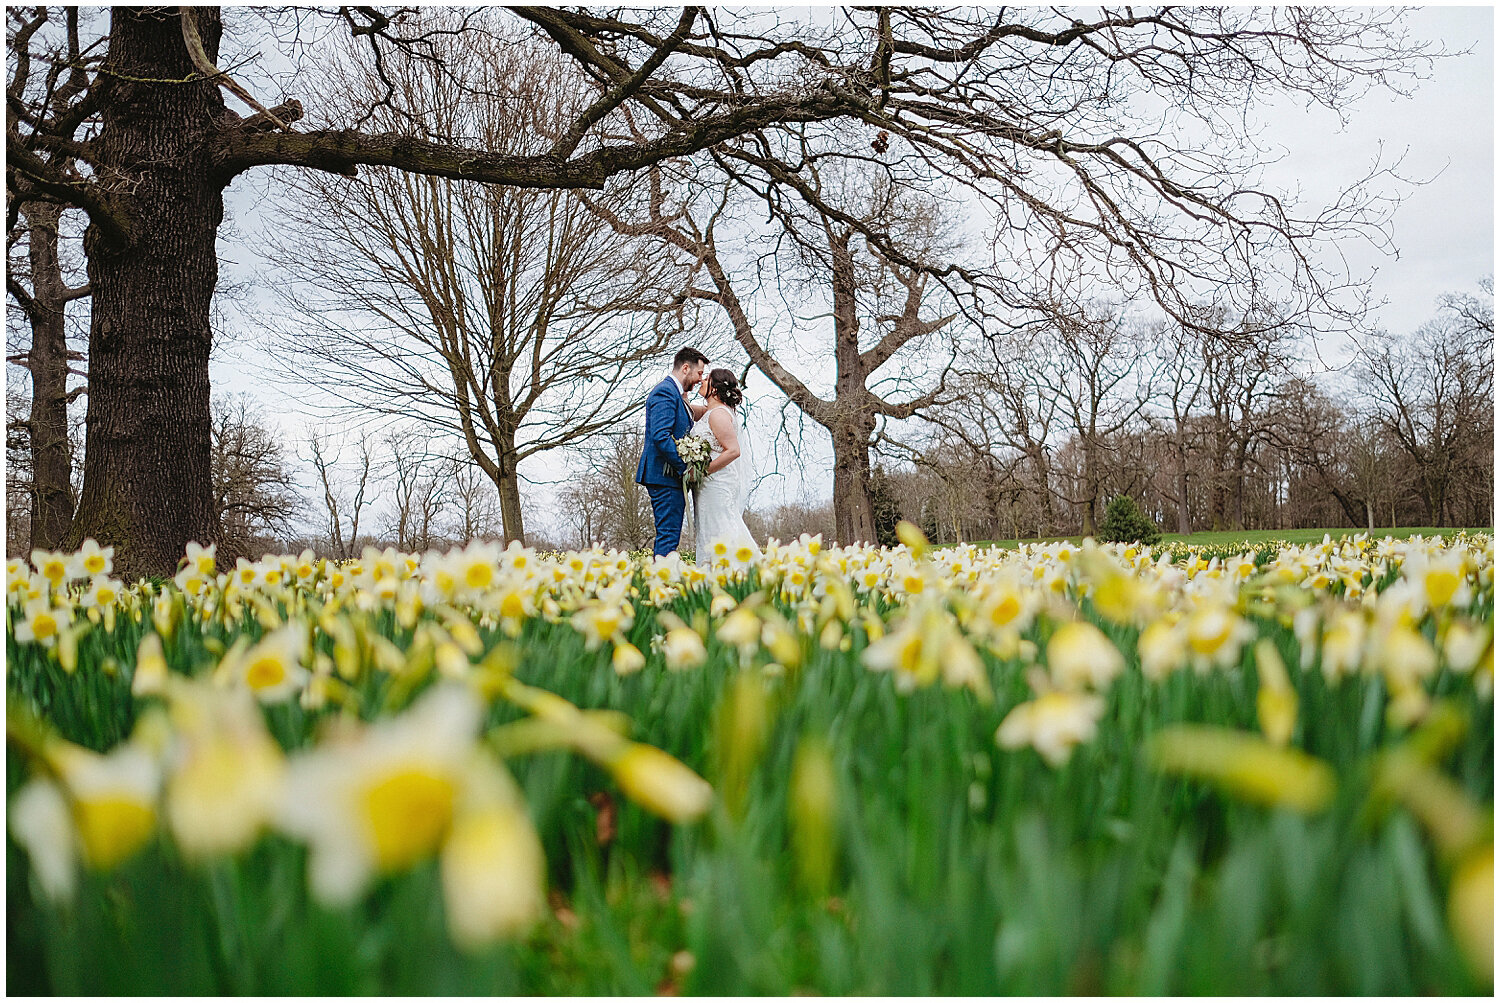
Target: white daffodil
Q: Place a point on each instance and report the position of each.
(41, 622)
(1053, 724)
(1079, 655)
(225, 772)
(384, 798)
(272, 668)
(94, 559)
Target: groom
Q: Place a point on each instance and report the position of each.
(668, 418)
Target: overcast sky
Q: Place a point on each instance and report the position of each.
(1443, 230)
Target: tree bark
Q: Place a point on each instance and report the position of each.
(508, 484)
(853, 427)
(1184, 525)
(51, 454)
(1090, 487)
(147, 482)
(1219, 473)
(853, 512)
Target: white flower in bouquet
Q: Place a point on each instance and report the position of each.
(696, 454)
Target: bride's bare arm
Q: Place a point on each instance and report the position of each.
(722, 425)
(696, 410)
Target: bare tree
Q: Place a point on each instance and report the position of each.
(628, 523)
(255, 492)
(1246, 369)
(1181, 379)
(511, 319)
(585, 504)
(1093, 370)
(419, 491)
(791, 520)
(1007, 407)
(37, 284)
(884, 313)
(1434, 392)
(338, 503)
(18, 504)
(475, 507)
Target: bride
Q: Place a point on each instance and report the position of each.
(719, 501)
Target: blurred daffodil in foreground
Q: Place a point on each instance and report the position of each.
(1053, 723)
(1245, 766)
(383, 798)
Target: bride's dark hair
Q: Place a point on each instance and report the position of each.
(725, 387)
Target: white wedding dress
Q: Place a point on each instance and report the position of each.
(719, 502)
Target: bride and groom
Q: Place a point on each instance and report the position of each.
(719, 500)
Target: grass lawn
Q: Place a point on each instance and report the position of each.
(1296, 536)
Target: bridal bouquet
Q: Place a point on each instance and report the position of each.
(696, 453)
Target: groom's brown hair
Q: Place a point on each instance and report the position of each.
(685, 356)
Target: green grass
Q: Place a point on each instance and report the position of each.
(1258, 536)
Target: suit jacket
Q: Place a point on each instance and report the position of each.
(667, 419)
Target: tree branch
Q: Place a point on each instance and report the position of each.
(610, 100)
(103, 210)
(340, 150)
(23, 298)
(205, 66)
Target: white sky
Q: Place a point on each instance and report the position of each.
(1444, 233)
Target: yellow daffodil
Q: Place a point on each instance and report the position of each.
(1163, 648)
(40, 823)
(112, 799)
(201, 559)
(271, 669)
(1466, 642)
(1471, 911)
(151, 673)
(55, 567)
(1276, 700)
(627, 659)
(1215, 635)
(813, 813)
(94, 559)
(493, 874)
(660, 783)
(1245, 766)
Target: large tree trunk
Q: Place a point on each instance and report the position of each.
(509, 485)
(47, 425)
(853, 511)
(853, 428)
(147, 486)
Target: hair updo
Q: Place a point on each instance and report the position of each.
(725, 387)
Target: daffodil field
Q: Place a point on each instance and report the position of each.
(1057, 769)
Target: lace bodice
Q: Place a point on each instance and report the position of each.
(703, 430)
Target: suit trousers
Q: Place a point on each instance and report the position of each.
(668, 506)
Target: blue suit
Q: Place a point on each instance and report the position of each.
(660, 469)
